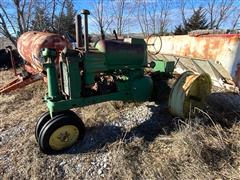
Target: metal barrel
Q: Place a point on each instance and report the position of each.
(189, 91)
(31, 43)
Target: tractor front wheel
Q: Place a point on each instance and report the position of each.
(60, 133)
(44, 118)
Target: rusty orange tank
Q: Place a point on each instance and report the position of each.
(217, 49)
(29, 46)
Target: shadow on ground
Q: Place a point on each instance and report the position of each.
(160, 123)
(224, 108)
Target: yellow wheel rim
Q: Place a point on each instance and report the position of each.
(63, 137)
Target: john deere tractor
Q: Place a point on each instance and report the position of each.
(105, 71)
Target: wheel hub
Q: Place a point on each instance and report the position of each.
(64, 137)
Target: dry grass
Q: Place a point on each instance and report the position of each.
(193, 150)
(5, 77)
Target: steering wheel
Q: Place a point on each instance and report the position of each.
(154, 44)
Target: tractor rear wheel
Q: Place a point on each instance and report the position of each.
(189, 91)
(60, 133)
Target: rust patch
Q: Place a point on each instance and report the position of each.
(29, 46)
(202, 47)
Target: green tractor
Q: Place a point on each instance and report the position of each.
(108, 70)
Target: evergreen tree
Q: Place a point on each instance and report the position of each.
(41, 21)
(196, 21)
(65, 22)
(179, 30)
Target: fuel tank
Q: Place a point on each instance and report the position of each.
(29, 46)
(130, 51)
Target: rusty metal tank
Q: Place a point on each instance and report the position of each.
(29, 46)
(220, 49)
(215, 47)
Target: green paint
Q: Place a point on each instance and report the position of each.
(164, 66)
(78, 74)
(49, 57)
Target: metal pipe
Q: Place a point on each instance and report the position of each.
(85, 13)
(78, 28)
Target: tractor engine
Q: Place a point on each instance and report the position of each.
(109, 67)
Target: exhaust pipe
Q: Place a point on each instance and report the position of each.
(85, 13)
(78, 28)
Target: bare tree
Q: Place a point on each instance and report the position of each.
(16, 22)
(46, 17)
(219, 11)
(101, 17)
(61, 14)
(19, 16)
(236, 21)
(41, 17)
(122, 13)
(235, 17)
(142, 16)
(164, 11)
(153, 16)
(53, 13)
(182, 6)
(191, 5)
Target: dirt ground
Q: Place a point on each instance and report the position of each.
(123, 141)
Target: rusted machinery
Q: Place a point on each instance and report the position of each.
(29, 47)
(204, 51)
(109, 70)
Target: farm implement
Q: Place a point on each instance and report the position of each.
(107, 70)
